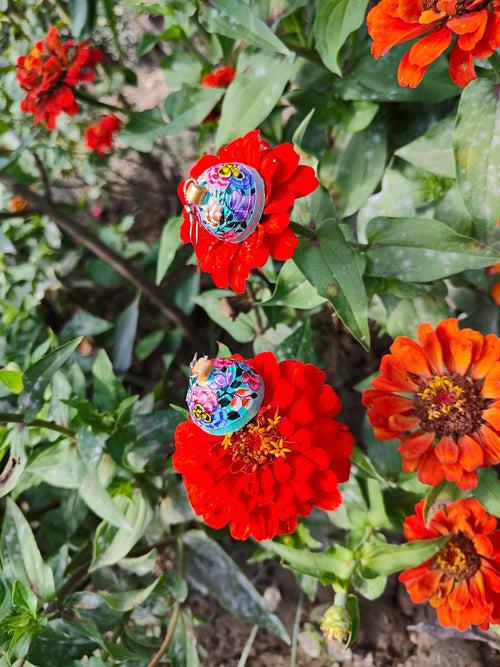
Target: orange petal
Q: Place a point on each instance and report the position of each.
(471, 453)
(430, 47)
(408, 74)
(411, 356)
(422, 588)
(446, 450)
(491, 444)
(490, 354)
(415, 445)
(493, 418)
(459, 596)
(431, 346)
(467, 23)
(491, 386)
(462, 70)
(430, 16)
(430, 470)
(483, 545)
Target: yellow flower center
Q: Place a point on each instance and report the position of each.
(256, 443)
(442, 397)
(450, 405)
(458, 558)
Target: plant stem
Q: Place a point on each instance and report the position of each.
(97, 103)
(13, 418)
(300, 230)
(248, 647)
(296, 628)
(173, 619)
(84, 237)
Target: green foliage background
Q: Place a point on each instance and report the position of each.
(99, 546)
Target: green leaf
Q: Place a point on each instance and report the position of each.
(335, 21)
(259, 83)
(189, 107)
(377, 80)
(433, 151)
(95, 496)
(404, 318)
(487, 491)
(12, 379)
(235, 19)
(298, 135)
(169, 243)
(330, 264)
(213, 303)
(124, 338)
(21, 558)
(331, 565)
(419, 250)
(22, 596)
(58, 465)
(298, 345)
(82, 14)
(431, 497)
(38, 376)
(209, 565)
(360, 167)
(111, 544)
(128, 600)
(84, 324)
(293, 290)
(477, 150)
(382, 559)
(142, 129)
(148, 344)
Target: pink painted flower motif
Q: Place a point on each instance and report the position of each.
(252, 380)
(205, 396)
(222, 362)
(214, 178)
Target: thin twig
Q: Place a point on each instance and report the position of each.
(168, 637)
(14, 418)
(173, 619)
(84, 237)
(296, 628)
(44, 176)
(248, 647)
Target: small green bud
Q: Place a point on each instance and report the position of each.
(336, 624)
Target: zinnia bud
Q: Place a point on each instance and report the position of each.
(336, 624)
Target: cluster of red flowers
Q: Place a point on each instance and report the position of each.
(220, 77)
(474, 23)
(291, 457)
(49, 73)
(99, 136)
(285, 180)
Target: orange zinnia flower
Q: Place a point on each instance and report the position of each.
(462, 581)
(441, 399)
(476, 24)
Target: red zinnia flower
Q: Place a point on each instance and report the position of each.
(99, 136)
(50, 71)
(440, 398)
(285, 180)
(290, 457)
(462, 581)
(220, 77)
(476, 24)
